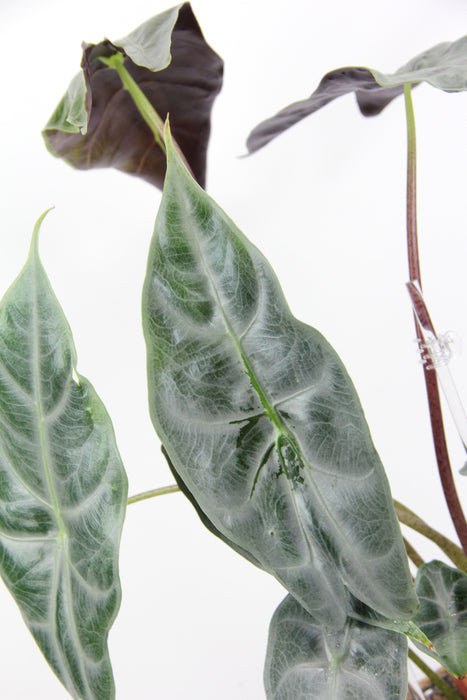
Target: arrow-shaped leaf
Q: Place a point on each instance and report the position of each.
(62, 489)
(260, 418)
(444, 66)
(442, 615)
(97, 125)
(305, 660)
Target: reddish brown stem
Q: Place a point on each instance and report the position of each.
(434, 402)
(422, 314)
(442, 456)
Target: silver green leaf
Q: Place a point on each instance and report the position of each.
(63, 489)
(70, 115)
(259, 417)
(304, 660)
(444, 66)
(149, 44)
(442, 615)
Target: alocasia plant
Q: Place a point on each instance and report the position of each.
(259, 420)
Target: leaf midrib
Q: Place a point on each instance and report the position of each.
(38, 402)
(270, 410)
(275, 419)
(61, 538)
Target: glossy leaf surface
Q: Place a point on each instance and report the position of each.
(442, 615)
(260, 418)
(62, 489)
(304, 660)
(444, 66)
(96, 124)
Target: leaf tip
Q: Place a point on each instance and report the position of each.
(167, 133)
(35, 234)
(171, 147)
(170, 150)
(173, 152)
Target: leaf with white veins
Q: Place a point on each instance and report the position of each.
(259, 417)
(63, 489)
(304, 660)
(442, 614)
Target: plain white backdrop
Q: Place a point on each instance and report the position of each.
(325, 203)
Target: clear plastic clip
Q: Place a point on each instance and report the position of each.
(437, 351)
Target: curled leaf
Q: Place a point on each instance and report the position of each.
(62, 489)
(444, 66)
(97, 125)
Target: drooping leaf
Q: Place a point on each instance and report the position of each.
(305, 660)
(444, 66)
(442, 615)
(97, 125)
(62, 489)
(260, 418)
(371, 98)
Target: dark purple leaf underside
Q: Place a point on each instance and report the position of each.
(117, 135)
(371, 99)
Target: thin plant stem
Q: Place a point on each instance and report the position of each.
(413, 554)
(153, 494)
(437, 352)
(445, 688)
(145, 108)
(143, 105)
(451, 550)
(434, 402)
(412, 238)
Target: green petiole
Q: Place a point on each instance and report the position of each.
(152, 494)
(143, 105)
(145, 108)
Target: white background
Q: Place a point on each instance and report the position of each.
(325, 203)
